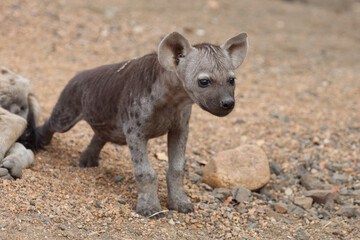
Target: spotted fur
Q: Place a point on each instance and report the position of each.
(133, 101)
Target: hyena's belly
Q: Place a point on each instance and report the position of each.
(109, 133)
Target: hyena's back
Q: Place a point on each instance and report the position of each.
(101, 96)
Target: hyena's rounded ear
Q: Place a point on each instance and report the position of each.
(171, 49)
(34, 109)
(237, 48)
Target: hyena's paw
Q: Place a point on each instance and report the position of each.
(181, 205)
(12, 164)
(88, 159)
(149, 207)
(4, 174)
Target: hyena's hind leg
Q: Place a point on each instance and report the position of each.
(90, 157)
(61, 120)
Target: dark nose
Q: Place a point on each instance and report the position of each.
(227, 103)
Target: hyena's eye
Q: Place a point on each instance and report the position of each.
(232, 81)
(203, 83)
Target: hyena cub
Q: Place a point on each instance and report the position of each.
(133, 101)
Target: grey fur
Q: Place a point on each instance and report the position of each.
(133, 101)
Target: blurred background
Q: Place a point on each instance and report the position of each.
(298, 91)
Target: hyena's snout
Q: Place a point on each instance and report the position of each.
(227, 103)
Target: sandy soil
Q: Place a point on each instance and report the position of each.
(298, 95)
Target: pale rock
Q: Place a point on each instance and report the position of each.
(245, 166)
(348, 211)
(305, 202)
(171, 222)
(11, 128)
(288, 192)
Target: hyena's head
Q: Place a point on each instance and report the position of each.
(206, 70)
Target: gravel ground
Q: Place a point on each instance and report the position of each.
(298, 97)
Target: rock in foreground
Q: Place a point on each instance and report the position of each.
(245, 166)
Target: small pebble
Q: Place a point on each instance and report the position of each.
(281, 207)
(171, 222)
(119, 179)
(98, 204)
(288, 192)
(207, 187)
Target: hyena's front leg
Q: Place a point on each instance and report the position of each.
(146, 177)
(177, 199)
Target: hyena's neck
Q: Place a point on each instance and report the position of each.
(169, 89)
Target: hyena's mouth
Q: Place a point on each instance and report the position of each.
(218, 111)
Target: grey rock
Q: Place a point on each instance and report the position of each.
(322, 196)
(275, 168)
(264, 191)
(356, 186)
(202, 206)
(302, 234)
(333, 166)
(206, 214)
(240, 194)
(119, 179)
(323, 214)
(196, 179)
(343, 191)
(239, 121)
(241, 208)
(98, 204)
(348, 211)
(221, 193)
(338, 178)
(207, 187)
(259, 196)
(329, 205)
(274, 115)
(310, 183)
(251, 226)
(4, 172)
